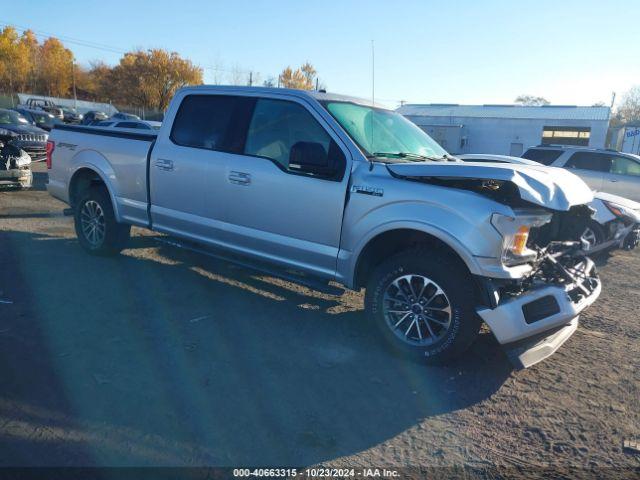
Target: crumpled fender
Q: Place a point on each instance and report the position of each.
(549, 187)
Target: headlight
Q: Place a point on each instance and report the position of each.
(7, 133)
(620, 211)
(515, 234)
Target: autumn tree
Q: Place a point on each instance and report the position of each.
(57, 65)
(302, 78)
(531, 100)
(150, 78)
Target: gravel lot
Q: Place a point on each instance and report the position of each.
(165, 357)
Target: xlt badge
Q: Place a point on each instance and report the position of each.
(376, 192)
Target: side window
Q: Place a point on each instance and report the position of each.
(546, 157)
(589, 161)
(204, 121)
(625, 166)
(288, 134)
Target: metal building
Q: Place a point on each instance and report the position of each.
(509, 129)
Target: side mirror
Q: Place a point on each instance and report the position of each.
(310, 157)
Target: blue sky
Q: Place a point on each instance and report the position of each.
(571, 52)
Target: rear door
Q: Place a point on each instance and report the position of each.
(276, 211)
(187, 168)
(590, 166)
(623, 178)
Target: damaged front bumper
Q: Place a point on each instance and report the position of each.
(18, 177)
(534, 323)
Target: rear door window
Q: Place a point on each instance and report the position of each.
(546, 157)
(597, 162)
(213, 122)
(625, 166)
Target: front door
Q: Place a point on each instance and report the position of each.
(590, 167)
(275, 210)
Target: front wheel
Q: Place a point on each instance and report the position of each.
(423, 303)
(96, 226)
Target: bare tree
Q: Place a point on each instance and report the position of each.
(531, 100)
(629, 109)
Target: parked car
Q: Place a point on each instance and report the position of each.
(42, 104)
(71, 115)
(338, 189)
(39, 118)
(615, 224)
(16, 130)
(124, 116)
(135, 124)
(15, 166)
(604, 170)
(93, 116)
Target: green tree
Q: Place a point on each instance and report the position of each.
(531, 100)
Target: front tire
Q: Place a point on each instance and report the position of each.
(96, 226)
(423, 303)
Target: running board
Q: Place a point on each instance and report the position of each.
(258, 266)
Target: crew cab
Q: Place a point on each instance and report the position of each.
(336, 188)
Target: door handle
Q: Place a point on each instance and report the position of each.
(163, 164)
(239, 178)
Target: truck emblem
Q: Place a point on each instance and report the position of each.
(376, 192)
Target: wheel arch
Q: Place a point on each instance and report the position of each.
(85, 176)
(383, 244)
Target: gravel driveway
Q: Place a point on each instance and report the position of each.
(165, 357)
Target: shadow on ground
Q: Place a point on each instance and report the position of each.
(164, 357)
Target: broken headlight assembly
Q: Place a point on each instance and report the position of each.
(515, 236)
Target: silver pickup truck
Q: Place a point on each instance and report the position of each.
(335, 188)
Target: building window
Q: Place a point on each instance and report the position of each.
(566, 136)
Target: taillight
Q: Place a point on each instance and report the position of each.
(51, 146)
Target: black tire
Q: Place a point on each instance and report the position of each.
(115, 236)
(452, 279)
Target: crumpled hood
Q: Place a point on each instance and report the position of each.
(550, 187)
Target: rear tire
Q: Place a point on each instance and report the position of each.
(96, 226)
(435, 294)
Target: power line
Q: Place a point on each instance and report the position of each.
(76, 41)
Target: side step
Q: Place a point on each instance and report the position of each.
(249, 264)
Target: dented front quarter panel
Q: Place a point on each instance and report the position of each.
(378, 202)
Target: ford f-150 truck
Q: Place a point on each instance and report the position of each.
(339, 189)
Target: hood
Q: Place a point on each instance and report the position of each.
(624, 202)
(549, 187)
(24, 129)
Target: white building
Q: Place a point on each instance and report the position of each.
(509, 129)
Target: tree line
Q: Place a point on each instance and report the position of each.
(142, 78)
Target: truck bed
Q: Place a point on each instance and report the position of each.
(120, 154)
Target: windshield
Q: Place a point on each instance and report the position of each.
(9, 117)
(44, 118)
(381, 133)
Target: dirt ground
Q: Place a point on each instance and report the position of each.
(165, 357)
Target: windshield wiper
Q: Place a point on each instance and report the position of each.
(409, 155)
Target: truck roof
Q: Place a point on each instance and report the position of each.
(314, 94)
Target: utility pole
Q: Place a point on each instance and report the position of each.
(250, 79)
(73, 76)
(373, 73)
(613, 99)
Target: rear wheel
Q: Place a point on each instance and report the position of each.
(423, 303)
(96, 226)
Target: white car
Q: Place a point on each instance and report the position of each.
(616, 222)
(603, 170)
(134, 124)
